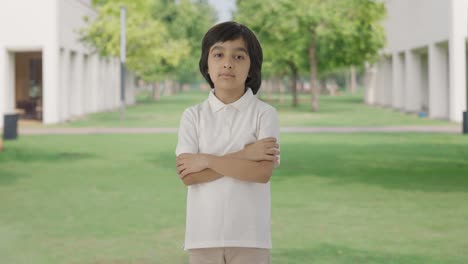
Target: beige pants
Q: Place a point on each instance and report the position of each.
(229, 255)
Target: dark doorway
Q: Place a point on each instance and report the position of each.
(28, 85)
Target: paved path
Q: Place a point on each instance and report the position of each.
(143, 130)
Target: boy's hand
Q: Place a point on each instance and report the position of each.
(264, 149)
(190, 163)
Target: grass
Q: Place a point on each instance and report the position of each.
(339, 199)
(344, 110)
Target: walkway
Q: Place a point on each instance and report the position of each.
(143, 130)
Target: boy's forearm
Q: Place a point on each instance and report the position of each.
(246, 170)
(206, 175)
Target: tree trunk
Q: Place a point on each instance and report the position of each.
(314, 88)
(281, 91)
(275, 86)
(269, 89)
(348, 81)
(156, 91)
(353, 80)
(168, 87)
(293, 83)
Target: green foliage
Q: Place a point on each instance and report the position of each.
(344, 32)
(188, 21)
(160, 34)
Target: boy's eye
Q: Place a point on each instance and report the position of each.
(217, 55)
(239, 57)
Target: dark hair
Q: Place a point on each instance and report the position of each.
(228, 31)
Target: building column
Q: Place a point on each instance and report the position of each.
(398, 80)
(438, 82)
(413, 86)
(93, 82)
(72, 85)
(64, 85)
(51, 89)
(101, 88)
(380, 84)
(388, 82)
(7, 83)
(116, 82)
(370, 83)
(457, 60)
(85, 85)
(78, 85)
(3, 82)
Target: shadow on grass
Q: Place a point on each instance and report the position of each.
(333, 254)
(8, 176)
(408, 166)
(15, 156)
(36, 155)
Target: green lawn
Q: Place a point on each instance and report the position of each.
(359, 198)
(344, 110)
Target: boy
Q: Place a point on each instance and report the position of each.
(226, 152)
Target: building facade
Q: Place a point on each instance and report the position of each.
(46, 73)
(423, 67)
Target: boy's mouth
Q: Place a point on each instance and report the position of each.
(226, 75)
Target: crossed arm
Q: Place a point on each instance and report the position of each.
(254, 163)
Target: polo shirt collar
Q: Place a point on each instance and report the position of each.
(239, 105)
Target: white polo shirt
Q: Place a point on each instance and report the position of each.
(227, 212)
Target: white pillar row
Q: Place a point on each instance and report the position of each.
(7, 79)
(3, 82)
(100, 88)
(388, 82)
(51, 90)
(380, 84)
(72, 89)
(457, 60)
(64, 112)
(438, 82)
(7, 82)
(105, 81)
(116, 82)
(398, 68)
(424, 81)
(104, 87)
(94, 81)
(78, 85)
(85, 85)
(370, 83)
(113, 84)
(412, 85)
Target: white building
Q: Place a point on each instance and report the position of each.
(423, 67)
(45, 72)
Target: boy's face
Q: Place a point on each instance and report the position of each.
(229, 64)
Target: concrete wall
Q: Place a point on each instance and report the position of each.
(17, 35)
(75, 80)
(426, 40)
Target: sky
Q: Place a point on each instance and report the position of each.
(224, 8)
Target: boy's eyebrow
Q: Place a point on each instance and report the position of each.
(219, 47)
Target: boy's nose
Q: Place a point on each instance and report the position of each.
(228, 64)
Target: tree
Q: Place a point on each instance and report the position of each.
(186, 20)
(153, 49)
(331, 34)
(276, 28)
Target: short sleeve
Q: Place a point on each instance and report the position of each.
(187, 134)
(269, 126)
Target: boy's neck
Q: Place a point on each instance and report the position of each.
(228, 97)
